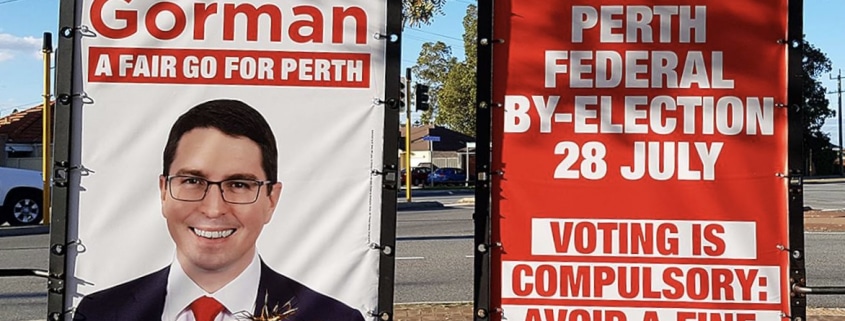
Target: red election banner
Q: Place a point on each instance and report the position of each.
(643, 147)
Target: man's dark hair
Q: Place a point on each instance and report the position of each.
(233, 118)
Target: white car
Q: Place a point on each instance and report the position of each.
(21, 192)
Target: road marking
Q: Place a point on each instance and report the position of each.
(410, 258)
(470, 256)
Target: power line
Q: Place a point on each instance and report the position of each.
(5, 111)
(423, 39)
(8, 1)
(24, 105)
(437, 34)
(417, 38)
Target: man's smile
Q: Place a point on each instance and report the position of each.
(213, 234)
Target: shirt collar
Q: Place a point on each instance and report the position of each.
(239, 295)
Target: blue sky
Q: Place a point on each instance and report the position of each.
(22, 23)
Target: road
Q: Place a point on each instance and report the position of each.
(434, 271)
(825, 196)
(447, 222)
(23, 298)
(450, 196)
(824, 267)
(434, 260)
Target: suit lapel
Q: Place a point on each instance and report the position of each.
(273, 289)
(149, 298)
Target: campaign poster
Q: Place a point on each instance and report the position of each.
(314, 70)
(641, 153)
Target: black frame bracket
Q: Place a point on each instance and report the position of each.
(484, 94)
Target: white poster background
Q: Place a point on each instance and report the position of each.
(329, 141)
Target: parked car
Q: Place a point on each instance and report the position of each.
(418, 175)
(21, 192)
(447, 175)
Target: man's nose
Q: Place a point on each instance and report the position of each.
(213, 203)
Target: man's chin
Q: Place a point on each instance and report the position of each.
(210, 262)
(219, 255)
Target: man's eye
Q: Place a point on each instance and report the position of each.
(239, 185)
(191, 181)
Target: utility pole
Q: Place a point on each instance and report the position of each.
(839, 114)
(408, 175)
(46, 129)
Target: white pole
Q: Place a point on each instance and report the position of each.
(466, 165)
(431, 158)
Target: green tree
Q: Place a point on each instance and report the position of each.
(419, 12)
(434, 55)
(817, 148)
(457, 99)
(456, 108)
(471, 34)
(432, 68)
(452, 82)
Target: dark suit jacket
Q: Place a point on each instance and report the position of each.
(142, 299)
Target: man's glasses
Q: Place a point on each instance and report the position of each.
(234, 191)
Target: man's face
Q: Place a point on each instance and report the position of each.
(210, 154)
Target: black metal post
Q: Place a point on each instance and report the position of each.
(484, 103)
(795, 94)
(387, 239)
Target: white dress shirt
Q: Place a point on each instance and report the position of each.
(237, 297)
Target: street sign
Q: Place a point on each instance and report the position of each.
(431, 138)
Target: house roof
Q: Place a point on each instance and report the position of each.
(449, 140)
(23, 126)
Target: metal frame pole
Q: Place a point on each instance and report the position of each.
(68, 101)
(795, 113)
(390, 185)
(484, 100)
(46, 126)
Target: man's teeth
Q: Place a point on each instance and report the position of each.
(213, 234)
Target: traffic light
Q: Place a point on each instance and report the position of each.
(403, 92)
(422, 97)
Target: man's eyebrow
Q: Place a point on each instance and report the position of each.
(201, 174)
(190, 172)
(242, 176)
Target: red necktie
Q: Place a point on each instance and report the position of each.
(206, 308)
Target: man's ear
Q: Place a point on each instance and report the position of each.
(162, 190)
(275, 193)
(162, 187)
